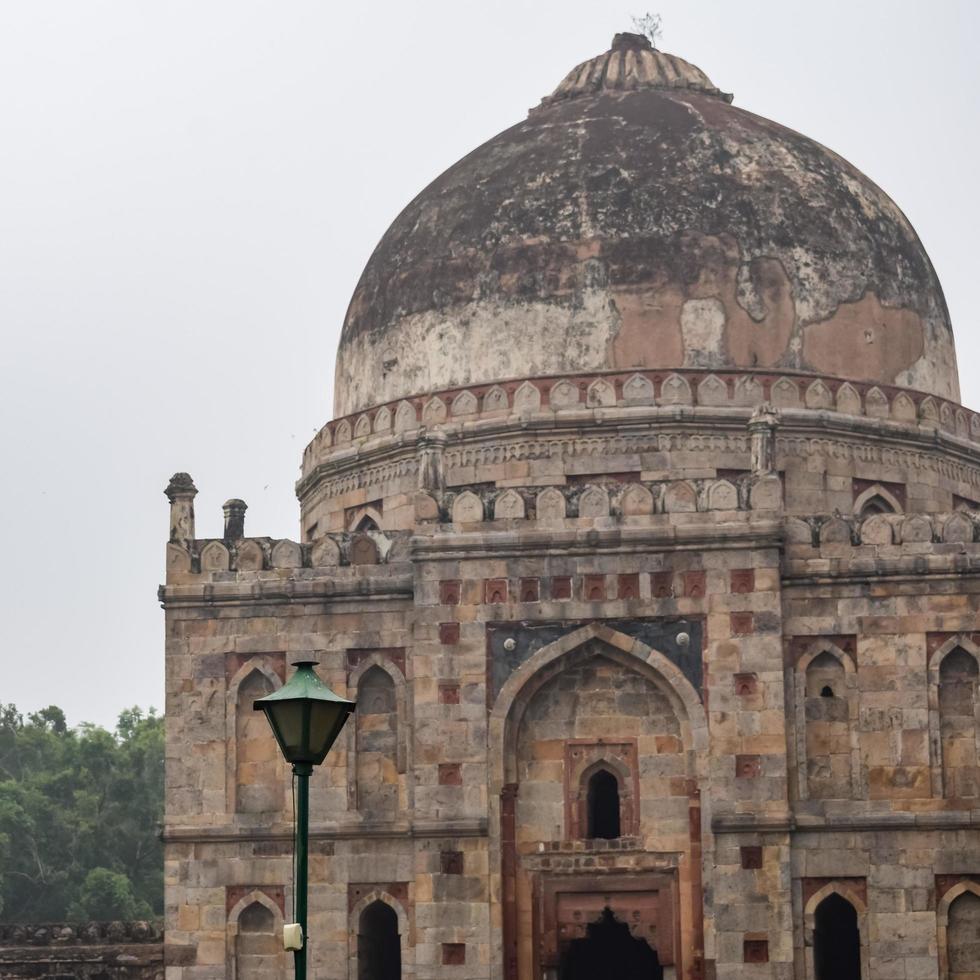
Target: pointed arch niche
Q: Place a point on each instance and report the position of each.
(954, 716)
(380, 942)
(377, 760)
(876, 499)
(958, 925)
(254, 938)
(835, 931)
(828, 758)
(256, 777)
(604, 716)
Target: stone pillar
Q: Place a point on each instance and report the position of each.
(234, 519)
(430, 450)
(762, 428)
(181, 493)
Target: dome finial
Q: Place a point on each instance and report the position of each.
(630, 65)
(631, 42)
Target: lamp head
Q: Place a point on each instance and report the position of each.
(305, 715)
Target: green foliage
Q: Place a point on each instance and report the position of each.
(106, 895)
(79, 817)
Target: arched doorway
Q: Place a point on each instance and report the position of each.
(609, 951)
(379, 950)
(836, 940)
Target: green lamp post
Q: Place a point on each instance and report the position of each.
(306, 718)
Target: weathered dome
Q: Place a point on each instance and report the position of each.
(636, 219)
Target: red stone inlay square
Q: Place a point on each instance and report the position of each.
(450, 774)
(448, 692)
(449, 592)
(594, 588)
(662, 585)
(748, 766)
(742, 580)
(628, 586)
(495, 590)
(751, 857)
(755, 950)
(451, 862)
(694, 584)
(746, 684)
(741, 623)
(530, 590)
(449, 633)
(561, 587)
(453, 954)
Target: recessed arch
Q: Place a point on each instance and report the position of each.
(841, 897)
(375, 897)
(941, 726)
(943, 906)
(372, 667)
(825, 705)
(547, 662)
(876, 500)
(518, 771)
(254, 937)
(251, 749)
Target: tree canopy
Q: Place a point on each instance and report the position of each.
(80, 814)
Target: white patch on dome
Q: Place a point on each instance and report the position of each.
(703, 330)
(483, 340)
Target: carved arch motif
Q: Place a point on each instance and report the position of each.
(876, 500)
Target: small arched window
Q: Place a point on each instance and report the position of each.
(603, 806)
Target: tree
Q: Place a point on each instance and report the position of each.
(650, 25)
(74, 802)
(107, 895)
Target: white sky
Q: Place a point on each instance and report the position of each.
(188, 191)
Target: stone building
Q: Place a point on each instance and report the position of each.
(645, 536)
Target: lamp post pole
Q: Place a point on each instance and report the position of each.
(306, 718)
(302, 771)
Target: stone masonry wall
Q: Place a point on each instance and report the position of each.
(744, 625)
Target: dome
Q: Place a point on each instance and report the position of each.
(636, 219)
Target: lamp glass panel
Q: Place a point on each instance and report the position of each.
(325, 723)
(287, 719)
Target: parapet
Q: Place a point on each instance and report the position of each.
(124, 950)
(882, 545)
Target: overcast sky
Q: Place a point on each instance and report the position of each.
(188, 191)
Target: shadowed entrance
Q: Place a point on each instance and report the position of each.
(609, 952)
(836, 940)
